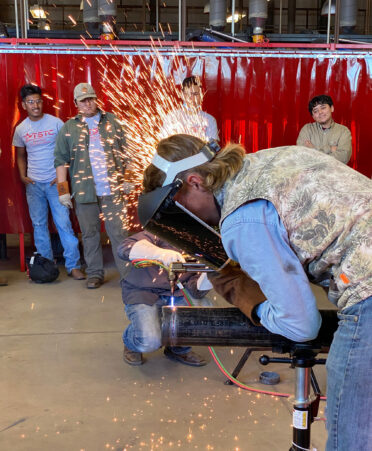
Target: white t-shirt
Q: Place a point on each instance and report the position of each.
(97, 157)
(191, 122)
(39, 137)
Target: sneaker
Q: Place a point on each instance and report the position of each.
(3, 281)
(190, 358)
(76, 274)
(94, 282)
(132, 357)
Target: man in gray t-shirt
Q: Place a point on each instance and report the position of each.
(34, 139)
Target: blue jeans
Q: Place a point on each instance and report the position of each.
(349, 381)
(38, 196)
(144, 331)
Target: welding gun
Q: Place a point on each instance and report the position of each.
(178, 268)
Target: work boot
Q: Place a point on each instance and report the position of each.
(94, 282)
(3, 281)
(76, 274)
(190, 358)
(132, 357)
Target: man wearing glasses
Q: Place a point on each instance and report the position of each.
(34, 140)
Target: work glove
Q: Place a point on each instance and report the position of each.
(238, 289)
(64, 194)
(145, 250)
(129, 176)
(203, 283)
(65, 200)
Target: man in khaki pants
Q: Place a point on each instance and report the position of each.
(93, 146)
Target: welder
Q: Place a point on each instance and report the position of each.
(288, 216)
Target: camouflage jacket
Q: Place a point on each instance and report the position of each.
(326, 208)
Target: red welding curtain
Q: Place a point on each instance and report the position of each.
(260, 99)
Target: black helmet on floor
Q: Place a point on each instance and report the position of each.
(40, 269)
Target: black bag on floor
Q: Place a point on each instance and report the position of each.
(40, 269)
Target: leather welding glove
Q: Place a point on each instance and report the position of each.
(146, 250)
(128, 183)
(238, 289)
(65, 200)
(64, 196)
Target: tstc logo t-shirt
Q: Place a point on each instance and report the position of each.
(39, 138)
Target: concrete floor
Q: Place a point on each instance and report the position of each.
(65, 387)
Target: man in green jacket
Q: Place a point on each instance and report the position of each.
(92, 147)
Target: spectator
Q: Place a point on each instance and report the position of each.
(34, 140)
(92, 145)
(145, 291)
(324, 134)
(191, 119)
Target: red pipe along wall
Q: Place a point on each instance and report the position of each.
(258, 98)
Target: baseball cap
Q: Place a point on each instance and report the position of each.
(84, 91)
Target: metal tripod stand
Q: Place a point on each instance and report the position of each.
(305, 407)
(211, 326)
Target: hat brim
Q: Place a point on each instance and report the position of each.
(85, 96)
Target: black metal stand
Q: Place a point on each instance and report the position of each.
(213, 326)
(241, 363)
(305, 406)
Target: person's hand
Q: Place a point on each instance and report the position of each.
(203, 283)
(333, 146)
(64, 196)
(308, 143)
(167, 256)
(53, 182)
(65, 200)
(143, 249)
(27, 180)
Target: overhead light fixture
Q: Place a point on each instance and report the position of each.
(37, 12)
(237, 16)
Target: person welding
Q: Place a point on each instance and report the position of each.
(146, 289)
(289, 216)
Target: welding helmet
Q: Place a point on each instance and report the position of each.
(161, 215)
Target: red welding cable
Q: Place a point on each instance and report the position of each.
(230, 376)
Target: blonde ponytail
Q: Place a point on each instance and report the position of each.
(215, 173)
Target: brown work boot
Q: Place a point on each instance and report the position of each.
(3, 281)
(190, 358)
(94, 282)
(76, 274)
(132, 357)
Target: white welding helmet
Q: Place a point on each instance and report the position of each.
(161, 215)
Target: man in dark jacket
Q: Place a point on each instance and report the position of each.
(146, 290)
